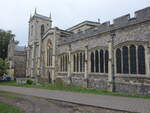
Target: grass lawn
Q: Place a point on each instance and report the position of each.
(7, 108)
(73, 89)
(8, 95)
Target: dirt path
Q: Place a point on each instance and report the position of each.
(40, 105)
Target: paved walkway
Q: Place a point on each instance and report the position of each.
(120, 103)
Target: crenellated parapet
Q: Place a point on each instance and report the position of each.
(120, 22)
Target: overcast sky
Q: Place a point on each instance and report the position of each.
(65, 13)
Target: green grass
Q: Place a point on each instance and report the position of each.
(73, 89)
(7, 108)
(8, 95)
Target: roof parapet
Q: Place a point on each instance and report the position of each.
(143, 13)
(140, 15)
(120, 22)
(107, 23)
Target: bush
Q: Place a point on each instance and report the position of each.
(4, 65)
(29, 81)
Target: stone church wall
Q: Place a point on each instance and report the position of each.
(101, 84)
(129, 31)
(20, 64)
(56, 43)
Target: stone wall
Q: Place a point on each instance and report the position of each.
(42, 80)
(97, 84)
(128, 31)
(121, 85)
(132, 88)
(17, 60)
(20, 64)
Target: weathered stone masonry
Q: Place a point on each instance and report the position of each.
(95, 55)
(17, 58)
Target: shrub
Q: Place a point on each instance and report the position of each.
(29, 81)
(4, 65)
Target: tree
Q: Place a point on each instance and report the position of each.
(3, 67)
(5, 37)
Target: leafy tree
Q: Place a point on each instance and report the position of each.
(5, 37)
(3, 67)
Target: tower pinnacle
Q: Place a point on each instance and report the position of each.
(35, 11)
(50, 16)
(30, 15)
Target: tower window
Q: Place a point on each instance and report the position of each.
(31, 30)
(42, 30)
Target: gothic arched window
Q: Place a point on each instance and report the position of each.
(74, 63)
(77, 62)
(66, 64)
(101, 61)
(92, 62)
(133, 59)
(48, 57)
(96, 61)
(31, 30)
(67, 61)
(125, 59)
(106, 61)
(141, 60)
(118, 60)
(81, 62)
(49, 53)
(42, 30)
(61, 64)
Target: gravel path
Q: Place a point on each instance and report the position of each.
(39, 105)
(120, 103)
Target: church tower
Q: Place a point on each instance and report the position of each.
(38, 26)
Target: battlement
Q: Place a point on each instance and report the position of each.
(139, 16)
(143, 13)
(120, 22)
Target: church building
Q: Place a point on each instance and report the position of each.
(92, 54)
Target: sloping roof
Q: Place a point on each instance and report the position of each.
(83, 23)
(41, 16)
(20, 48)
